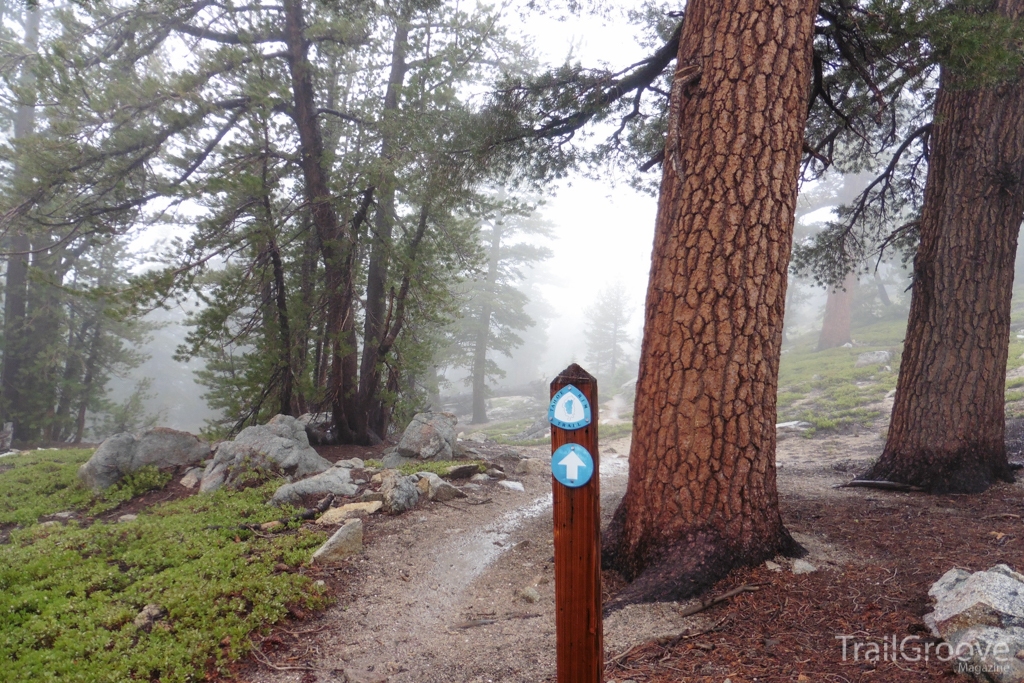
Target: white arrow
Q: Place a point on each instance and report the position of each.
(572, 464)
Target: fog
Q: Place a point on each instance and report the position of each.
(602, 233)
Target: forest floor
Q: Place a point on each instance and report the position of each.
(463, 592)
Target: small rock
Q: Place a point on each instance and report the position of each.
(393, 460)
(772, 566)
(436, 488)
(495, 473)
(476, 437)
(320, 583)
(480, 477)
(400, 493)
(349, 511)
(370, 496)
(375, 479)
(149, 615)
(512, 485)
(803, 567)
(63, 515)
(49, 523)
(192, 478)
(270, 526)
(352, 463)
(529, 594)
(127, 518)
(533, 466)
(346, 541)
(462, 471)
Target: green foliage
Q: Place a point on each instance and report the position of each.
(40, 483)
(147, 478)
(69, 595)
(825, 389)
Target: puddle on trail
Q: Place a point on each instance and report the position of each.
(467, 555)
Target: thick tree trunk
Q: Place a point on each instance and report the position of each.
(337, 251)
(483, 333)
(947, 428)
(701, 497)
(835, 328)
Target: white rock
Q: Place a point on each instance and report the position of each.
(349, 511)
(192, 478)
(346, 541)
(512, 485)
(772, 566)
(803, 567)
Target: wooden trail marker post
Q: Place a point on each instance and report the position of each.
(577, 511)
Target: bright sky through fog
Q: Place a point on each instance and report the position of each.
(603, 231)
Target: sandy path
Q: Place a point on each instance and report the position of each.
(436, 595)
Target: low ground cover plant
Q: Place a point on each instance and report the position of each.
(70, 592)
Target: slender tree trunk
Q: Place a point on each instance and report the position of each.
(16, 345)
(483, 334)
(87, 382)
(948, 424)
(701, 496)
(283, 331)
(380, 245)
(835, 328)
(883, 295)
(73, 367)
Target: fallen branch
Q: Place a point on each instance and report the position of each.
(1002, 515)
(262, 658)
(711, 602)
(880, 484)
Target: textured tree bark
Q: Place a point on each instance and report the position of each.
(948, 425)
(701, 497)
(835, 328)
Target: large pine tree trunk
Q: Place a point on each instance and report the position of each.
(947, 428)
(701, 497)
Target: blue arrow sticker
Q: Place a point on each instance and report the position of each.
(569, 408)
(572, 465)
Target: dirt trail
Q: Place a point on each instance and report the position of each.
(437, 595)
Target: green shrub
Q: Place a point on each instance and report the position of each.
(69, 595)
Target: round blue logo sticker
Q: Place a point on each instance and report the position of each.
(569, 408)
(572, 465)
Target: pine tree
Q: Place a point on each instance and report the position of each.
(608, 333)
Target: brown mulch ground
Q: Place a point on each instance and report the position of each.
(787, 631)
